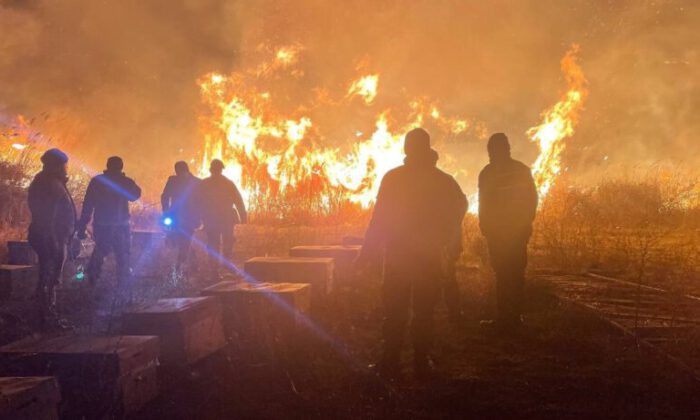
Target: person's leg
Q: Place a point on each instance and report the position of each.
(426, 290)
(57, 260)
(213, 248)
(121, 243)
(184, 249)
(518, 264)
(396, 294)
(451, 292)
(102, 237)
(227, 241)
(499, 255)
(38, 244)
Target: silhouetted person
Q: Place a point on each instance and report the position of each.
(51, 229)
(221, 209)
(415, 219)
(108, 196)
(180, 208)
(507, 206)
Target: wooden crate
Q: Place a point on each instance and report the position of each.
(343, 256)
(318, 272)
(189, 328)
(21, 253)
(29, 398)
(17, 281)
(249, 308)
(100, 377)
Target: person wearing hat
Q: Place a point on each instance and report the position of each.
(107, 198)
(180, 211)
(415, 222)
(51, 228)
(221, 209)
(507, 206)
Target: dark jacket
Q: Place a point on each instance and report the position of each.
(418, 212)
(52, 209)
(179, 199)
(108, 196)
(217, 196)
(507, 199)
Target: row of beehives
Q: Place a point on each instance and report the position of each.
(99, 376)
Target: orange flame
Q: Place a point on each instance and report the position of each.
(558, 124)
(273, 154)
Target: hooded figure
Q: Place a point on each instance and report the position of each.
(52, 227)
(507, 206)
(108, 196)
(416, 219)
(180, 206)
(221, 209)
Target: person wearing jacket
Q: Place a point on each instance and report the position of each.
(51, 228)
(179, 206)
(416, 218)
(106, 203)
(222, 208)
(507, 207)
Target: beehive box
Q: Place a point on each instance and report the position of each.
(189, 328)
(343, 256)
(254, 307)
(318, 272)
(17, 281)
(21, 253)
(99, 376)
(29, 398)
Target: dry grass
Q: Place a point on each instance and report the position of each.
(645, 229)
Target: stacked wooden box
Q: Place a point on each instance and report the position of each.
(189, 328)
(318, 272)
(29, 398)
(249, 307)
(99, 376)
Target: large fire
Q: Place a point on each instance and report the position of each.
(276, 155)
(270, 140)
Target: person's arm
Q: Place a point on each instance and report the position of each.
(240, 205)
(376, 233)
(88, 208)
(167, 195)
(132, 191)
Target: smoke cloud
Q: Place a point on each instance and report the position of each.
(121, 75)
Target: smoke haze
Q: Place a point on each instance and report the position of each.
(119, 77)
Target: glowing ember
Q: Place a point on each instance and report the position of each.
(18, 146)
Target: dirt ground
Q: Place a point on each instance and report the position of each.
(566, 364)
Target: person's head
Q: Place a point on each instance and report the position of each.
(115, 164)
(417, 143)
(55, 161)
(181, 168)
(216, 167)
(498, 147)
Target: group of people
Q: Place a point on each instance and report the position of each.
(414, 233)
(187, 203)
